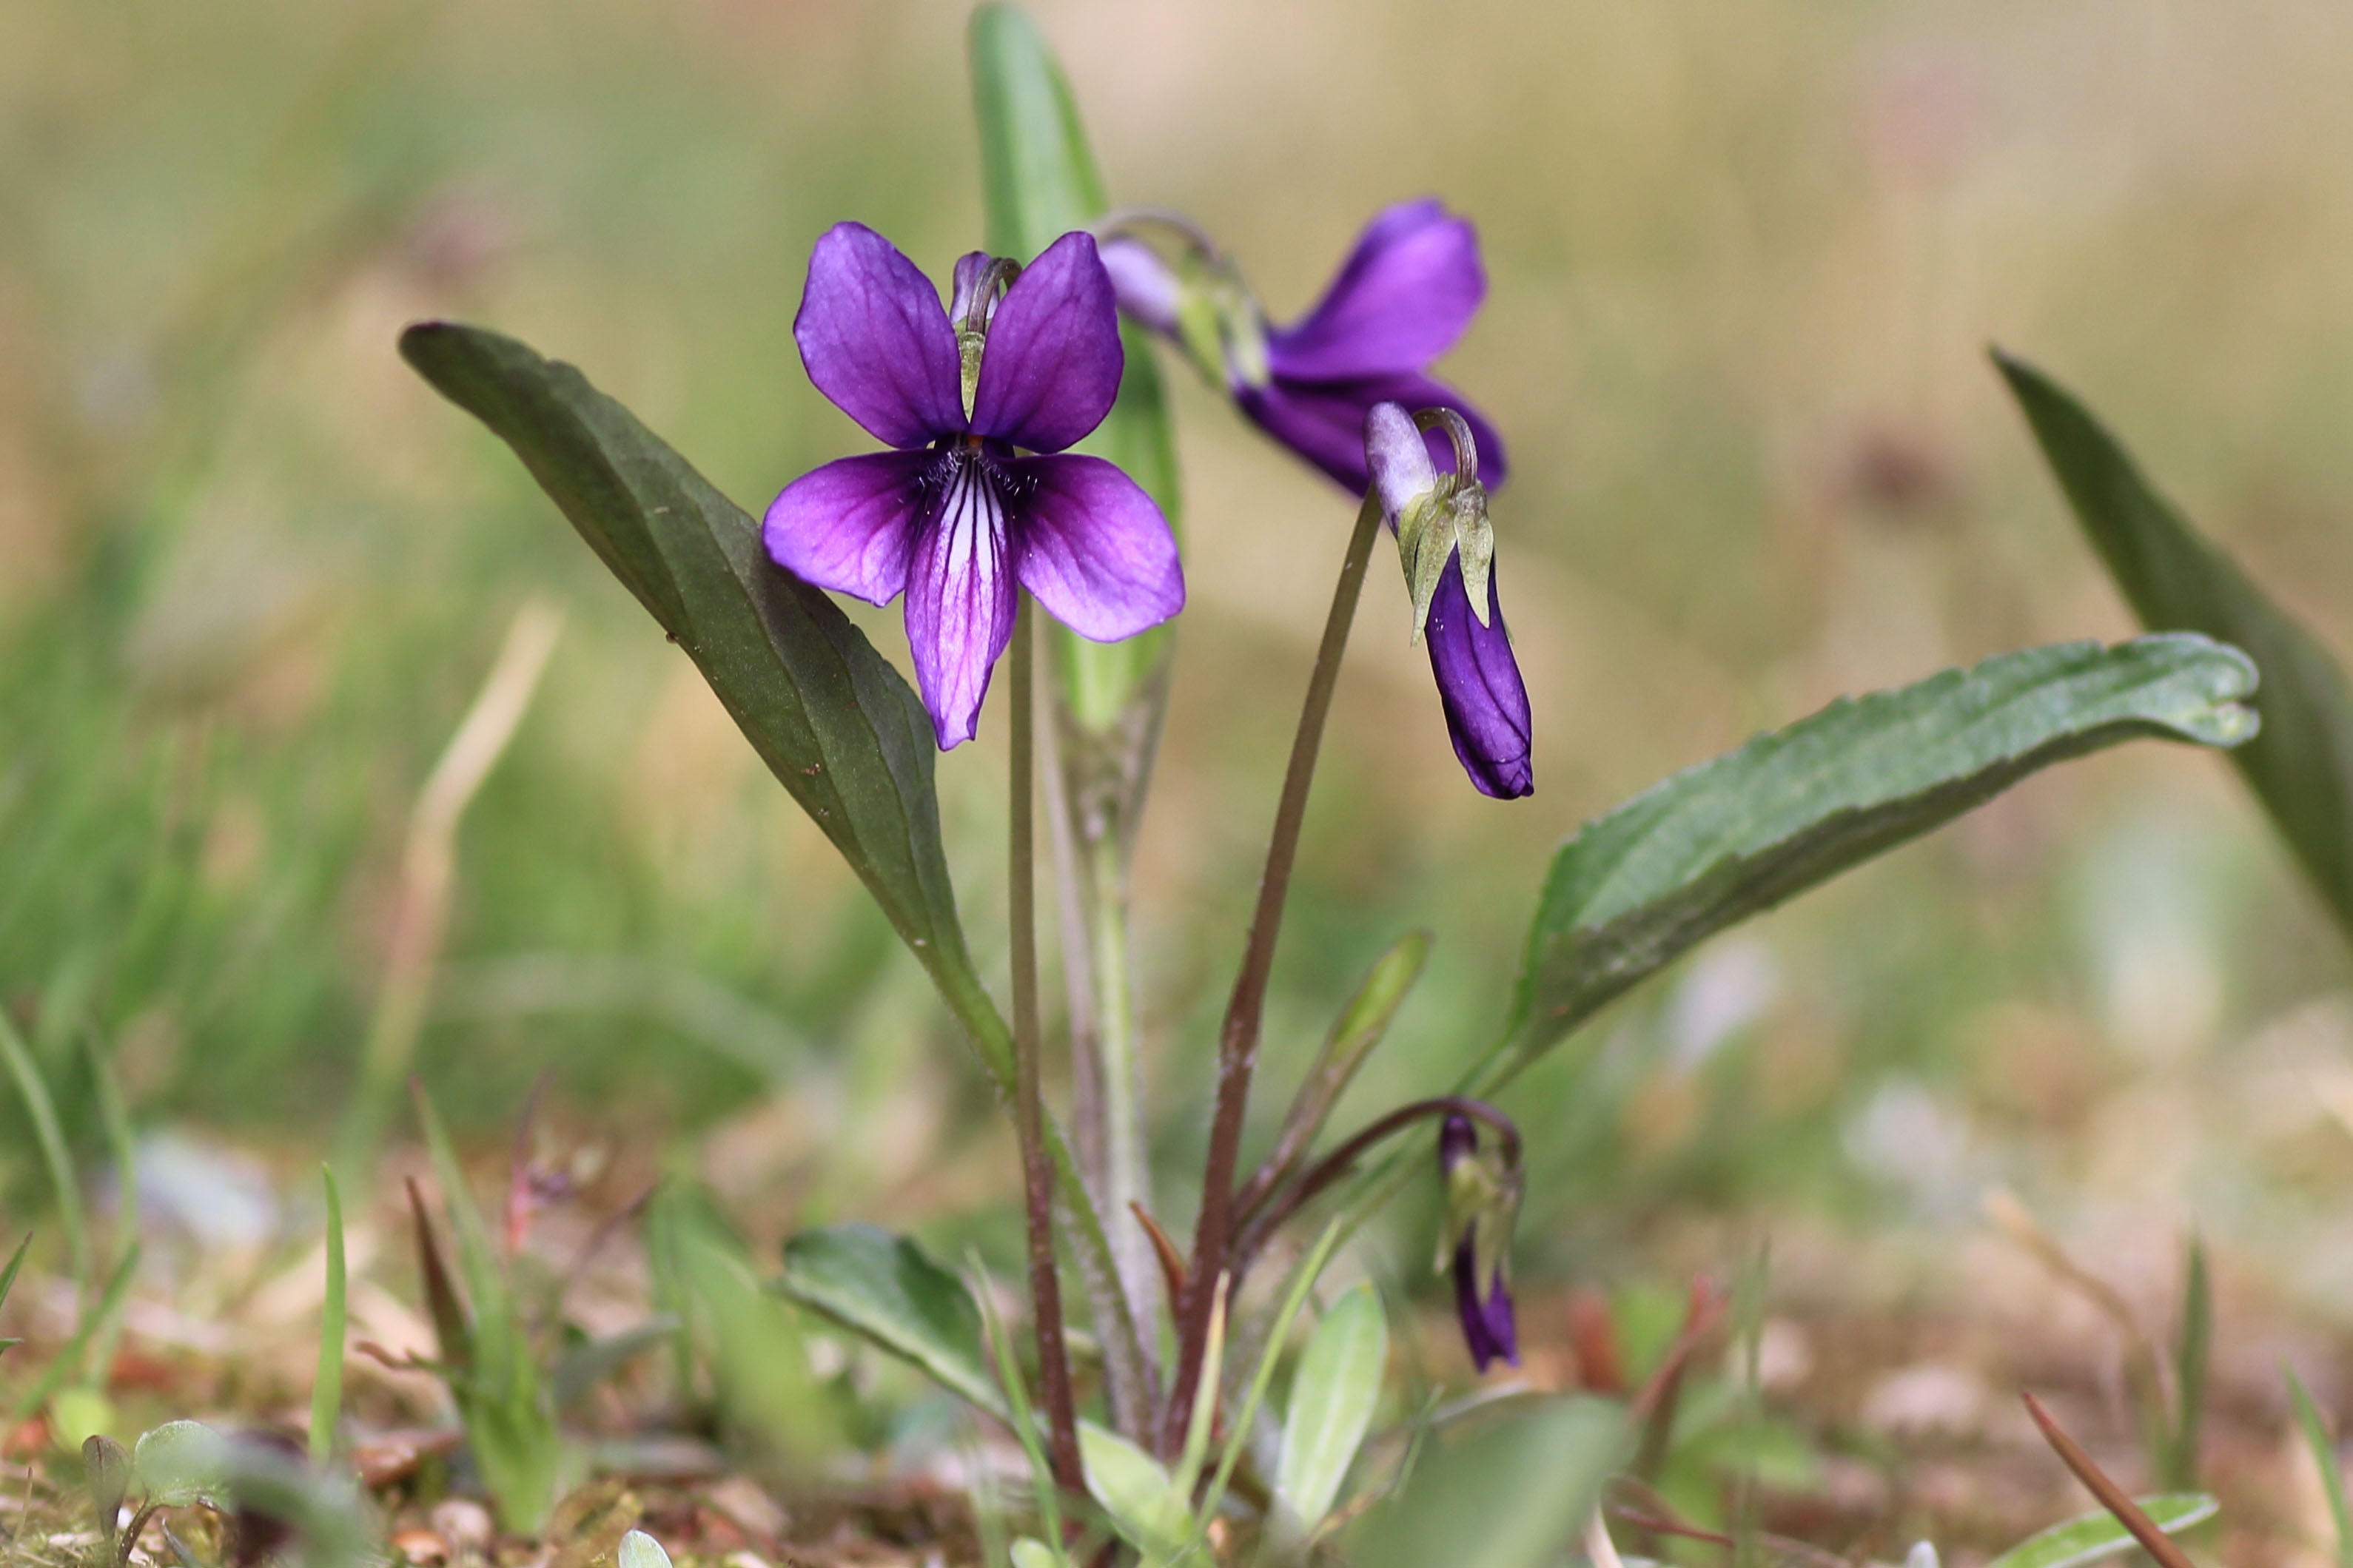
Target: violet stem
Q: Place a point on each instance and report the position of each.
(1237, 1041)
(1030, 1114)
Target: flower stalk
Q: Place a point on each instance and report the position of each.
(1238, 1039)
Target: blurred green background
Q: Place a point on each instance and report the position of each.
(1745, 257)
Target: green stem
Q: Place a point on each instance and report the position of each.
(1037, 1166)
(1127, 1171)
(1238, 1041)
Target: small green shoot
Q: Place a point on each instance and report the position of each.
(9, 1280)
(50, 1134)
(327, 1387)
(2180, 1471)
(110, 1301)
(999, 1346)
(2323, 1457)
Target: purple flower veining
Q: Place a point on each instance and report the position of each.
(1406, 293)
(1489, 1329)
(955, 517)
(1487, 713)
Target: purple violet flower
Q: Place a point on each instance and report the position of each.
(955, 517)
(1489, 1329)
(1441, 524)
(1407, 291)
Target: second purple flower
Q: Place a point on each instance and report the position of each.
(956, 517)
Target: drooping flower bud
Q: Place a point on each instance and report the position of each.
(1483, 1202)
(1446, 548)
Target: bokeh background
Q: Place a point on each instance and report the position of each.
(1746, 259)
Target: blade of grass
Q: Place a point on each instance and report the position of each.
(2113, 1498)
(1238, 1433)
(327, 1388)
(2180, 1473)
(1017, 1401)
(109, 1303)
(52, 1137)
(2324, 1453)
(115, 1116)
(428, 869)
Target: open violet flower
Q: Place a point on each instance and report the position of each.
(1406, 293)
(955, 516)
(1448, 550)
(1483, 1307)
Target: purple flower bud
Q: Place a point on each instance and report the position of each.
(955, 516)
(1487, 713)
(1489, 1329)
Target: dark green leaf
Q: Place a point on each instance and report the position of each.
(1039, 182)
(837, 725)
(1736, 835)
(881, 1286)
(2096, 1535)
(2301, 766)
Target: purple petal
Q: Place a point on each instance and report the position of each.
(1144, 284)
(848, 526)
(1053, 360)
(1325, 423)
(1478, 684)
(876, 340)
(1405, 294)
(1489, 1329)
(1093, 547)
(960, 599)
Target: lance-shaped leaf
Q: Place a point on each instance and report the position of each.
(1332, 1401)
(1736, 835)
(882, 1288)
(837, 726)
(2301, 766)
(2093, 1536)
(1039, 182)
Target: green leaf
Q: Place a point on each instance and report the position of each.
(2301, 766)
(1511, 1495)
(1331, 1400)
(1735, 837)
(2324, 1459)
(640, 1550)
(179, 1463)
(2097, 1535)
(1143, 1500)
(837, 725)
(105, 1471)
(1039, 182)
(881, 1286)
